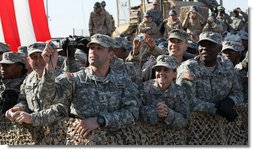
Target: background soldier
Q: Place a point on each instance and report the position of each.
(99, 96)
(239, 21)
(224, 18)
(148, 26)
(13, 73)
(171, 23)
(99, 21)
(156, 14)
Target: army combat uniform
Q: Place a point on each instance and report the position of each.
(174, 97)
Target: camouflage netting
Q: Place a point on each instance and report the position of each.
(203, 129)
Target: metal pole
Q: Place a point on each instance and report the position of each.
(129, 9)
(117, 7)
(221, 2)
(47, 10)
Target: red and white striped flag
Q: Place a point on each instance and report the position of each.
(23, 22)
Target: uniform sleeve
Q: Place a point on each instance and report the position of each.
(186, 79)
(156, 51)
(178, 116)
(21, 102)
(128, 114)
(48, 116)
(185, 23)
(53, 90)
(148, 112)
(236, 93)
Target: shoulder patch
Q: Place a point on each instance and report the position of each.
(189, 76)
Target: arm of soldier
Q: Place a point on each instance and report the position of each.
(53, 90)
(201, 19)
(128, 114)
(245, 16)
(134, 55)
(179, 115)
(109, 22)
(227, 18)
(148, 112)
(186, 79)
(22, 102)
(51, 114)
(185, 22)
(236, 93)
(152, 48)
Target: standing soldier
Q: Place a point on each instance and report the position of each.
(239, 21)
(171, 23)
(13, 73)
(97, 95)
(212, 85)
(99, 21)
(213, 25)
(156, 14)
(224, 18)
(148, 26)
(193, 23)
(109, 16)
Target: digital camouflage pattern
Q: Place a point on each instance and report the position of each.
(156, 15)
(174, 97)
(210, 36)
(36, 47)
(205, 88)
(235, 46)
(166, 61)
(42, 113)
(23, 50)
(12, 57)
(239, 22)
(103, 40)
(113, 97)
(179, 34)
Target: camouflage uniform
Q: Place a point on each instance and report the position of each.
(169, 24)
(205, 88)
(23, 50)
(213, 25)
(3, 48)
(174, 97)
(41, 113)
(80, 56)
(225, 19)
(100, 23)
(238, 23)
(157, 16)
(194, 26)
(148, 27)
(9, 88)
(114, 97)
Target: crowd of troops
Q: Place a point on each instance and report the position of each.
(199, 65)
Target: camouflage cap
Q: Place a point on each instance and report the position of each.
(243, 34)
(12, 57)
(220, 8)
(172, 12)
(80, 55)
(210, 36)
(23, 50)
(193, 8)
(147, 15)
(179, 34)
(4, 47)
(166, 61)
(36, 47)
(101, 39)
(235, 46)
(118, 42)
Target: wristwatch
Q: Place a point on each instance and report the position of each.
(101, 121)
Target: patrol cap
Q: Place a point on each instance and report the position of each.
(101, 39)
(23, 50)
(172, 12)
(235, 46)
(103, 4)
(80, 55)
(166, 61)
(12, 57)
(232, 37)
(243, 34)
(163, 46)
(36, 47)
(210, 36)
(4, 47)
(179, 34)
(118, 42)
(97, 5)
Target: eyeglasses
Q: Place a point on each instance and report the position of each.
(159, 69)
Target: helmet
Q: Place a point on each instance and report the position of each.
(97, 5)
(172, 12)
(103, 4)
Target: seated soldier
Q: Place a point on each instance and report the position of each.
(163, 100)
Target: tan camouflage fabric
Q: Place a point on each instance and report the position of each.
(101, 39)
